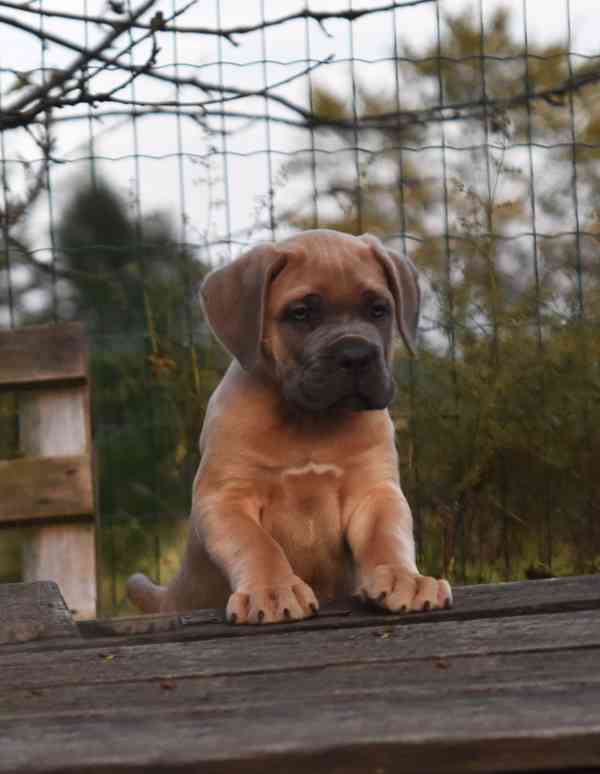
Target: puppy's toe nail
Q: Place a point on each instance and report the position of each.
(313, 608)
(427, 605)
(403, 609)
(261, 615)
(232, 618)
(286, 613)
(448, 604)
(381, 597)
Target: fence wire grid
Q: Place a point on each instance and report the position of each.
(143, 145)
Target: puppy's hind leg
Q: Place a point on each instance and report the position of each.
(145, 595)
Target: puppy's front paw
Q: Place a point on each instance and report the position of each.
(391, 587)
(288, 601)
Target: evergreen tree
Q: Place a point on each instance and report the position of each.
(152, 365)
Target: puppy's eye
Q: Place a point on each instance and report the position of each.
(299, 313)
(378, 310)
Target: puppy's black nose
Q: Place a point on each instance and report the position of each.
(354, 355)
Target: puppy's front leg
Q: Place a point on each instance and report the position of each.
(263, 584)
(380, 534)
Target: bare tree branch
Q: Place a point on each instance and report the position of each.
(60, 78)
(460, 111)
(77, 84)
(11, 117)
(159, 107)
(227, 33)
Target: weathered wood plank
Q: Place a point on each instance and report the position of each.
(33, 611)
(437, 678)
(299, 650)
(512, 694)
(471, 602)
(56, 422)
(40, 354)
(45, 487)
(473, 732)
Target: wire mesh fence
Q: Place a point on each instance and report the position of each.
(141, 146)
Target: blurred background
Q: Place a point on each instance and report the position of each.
(139, 151)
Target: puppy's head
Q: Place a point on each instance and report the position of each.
(318, 311)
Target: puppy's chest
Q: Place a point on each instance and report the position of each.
(304, 515)
(309, 486)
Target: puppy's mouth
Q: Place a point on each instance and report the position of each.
(355, 402)
(350, 401)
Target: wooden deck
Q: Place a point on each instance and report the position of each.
(508, 680)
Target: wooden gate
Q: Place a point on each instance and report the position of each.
(49, 488)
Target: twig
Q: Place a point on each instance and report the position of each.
(60, 77)
(227, 33)
(200, 106)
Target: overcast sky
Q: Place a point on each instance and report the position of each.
(156, 174)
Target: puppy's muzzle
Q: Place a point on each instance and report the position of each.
(358, 367)
(347, 372)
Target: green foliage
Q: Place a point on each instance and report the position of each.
(327, 105)
(506, 456)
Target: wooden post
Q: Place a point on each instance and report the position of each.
(53, 423)
(34, 611)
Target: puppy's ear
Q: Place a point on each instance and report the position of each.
(233, 301)
(404, 284)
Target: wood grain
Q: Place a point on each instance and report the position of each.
(480, 731)
(55, 422)
(299, 650)
(41, 354)
(488, 693)
(471, 602)
(33, 611)
(429, 677)
(45, 487)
